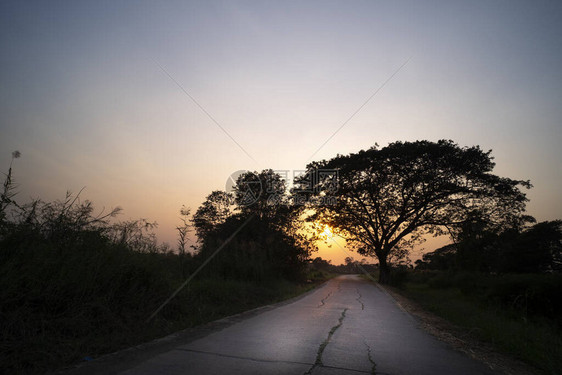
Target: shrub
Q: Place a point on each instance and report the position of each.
(531, 295)
(399, 275)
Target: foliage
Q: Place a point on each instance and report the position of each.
(183, 230)
(74, 283)
(216, 208)
(526, 295)
(537, 249)
(8, 193)
(533, 250)
(388, 198)
(273, 242)
(259, 252)
(350, 266)
(137, 235)
(261, 194)
(61, 304)
(441, 259)
(518, 314)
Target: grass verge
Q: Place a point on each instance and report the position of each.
(534, 340)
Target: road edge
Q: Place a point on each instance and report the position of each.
(457, 338)
(124, 359)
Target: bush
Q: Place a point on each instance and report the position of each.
(440, 281)
(399, 275)
(421, 276)
(527, 295)
(260, 252)
(89, 297)
(531, 295)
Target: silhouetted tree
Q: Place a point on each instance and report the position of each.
(259, 252)
(7, 195)
(272, 242)
(214, 211)
(350, 264)
(537, 249)
(443, 258)
(321, 264)
(261, 194)
(264, 195)
(388, 198)
(184, 229)
(533, 250)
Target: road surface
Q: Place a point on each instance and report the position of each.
(347, 327)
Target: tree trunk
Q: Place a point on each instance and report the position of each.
(384, 271)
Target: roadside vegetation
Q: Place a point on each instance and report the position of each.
(503, 288)
(519, 315)
(75, 284)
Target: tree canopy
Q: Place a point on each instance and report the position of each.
(213, 212)
(272, 242)
(388, 198)
(260, 193)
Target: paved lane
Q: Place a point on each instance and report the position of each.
(348, 326)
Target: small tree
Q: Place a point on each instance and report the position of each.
(8, 192)
(137, 235)
(184, 229)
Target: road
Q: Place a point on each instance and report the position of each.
(348, 326)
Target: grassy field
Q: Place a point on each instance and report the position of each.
(512, 312)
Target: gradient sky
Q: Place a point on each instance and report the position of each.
(84, 97)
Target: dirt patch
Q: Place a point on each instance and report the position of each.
(460, 339)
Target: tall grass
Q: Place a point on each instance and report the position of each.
(61, 304)
(518, 314)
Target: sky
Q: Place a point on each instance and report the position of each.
(151, 105)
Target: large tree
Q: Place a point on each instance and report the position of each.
(388, 199)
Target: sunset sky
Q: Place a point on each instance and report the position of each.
(97, 94)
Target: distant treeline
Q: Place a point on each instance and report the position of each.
(350, 267)
(537, 249)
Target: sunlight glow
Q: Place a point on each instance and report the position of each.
(328, 232)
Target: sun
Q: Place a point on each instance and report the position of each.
(328, 232)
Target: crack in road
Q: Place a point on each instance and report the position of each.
(370, 357)
(325, 343)
(348, 370)
(240, 357)
(323, 300)
(358, 299)
(339, 286)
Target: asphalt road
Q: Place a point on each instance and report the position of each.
(348, 326)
